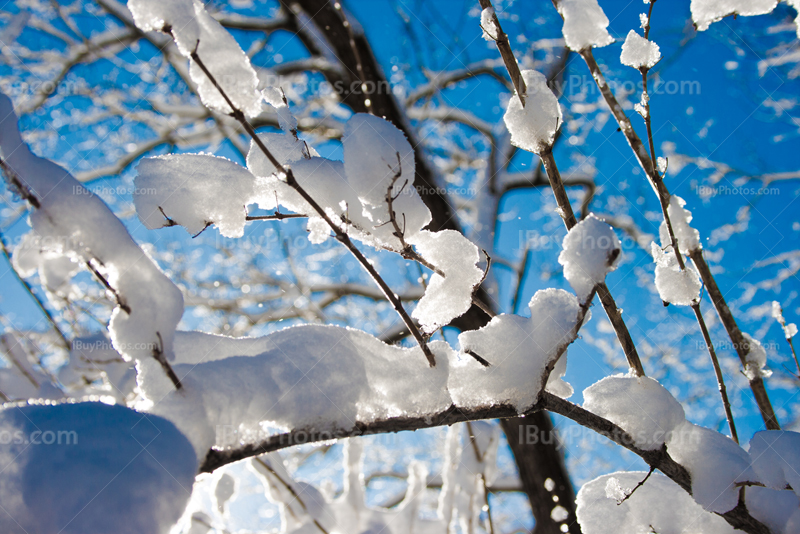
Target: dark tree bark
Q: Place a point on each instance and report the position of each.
(537, 461)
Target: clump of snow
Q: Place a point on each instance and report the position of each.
(675, 285)
(756, 360)
(377, 156)
(775, 456)
(591, 250)
(714, 461)
(193, 190)
(661, 163)
(705, 12)
(229, 65)
(177, 15)
(533, 127)
(353, 193)
(659, 505)
(639, 405)
(688, 238)
(78, 224)
(614, 489)
(195, 30)
(490, 30)
(518, 349)
(91, 467)
(789, 330)
(638, 52)
(307, 376)
(556, 383)
(449, 296)
(774, 508)
(285, 148)
(584, 24)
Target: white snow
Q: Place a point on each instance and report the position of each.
(639, 405)
(688, 238)
(179, 15)
(676, 286)
(591, 250)
(91, 467)
(284, 147)
(659, 505)
(371, 147)
(490, 31)
(307, 376)
(533, 127)
(714, 461)
(638, 52)
(518, 349)
(78, 224)
(584, 24)
(774, 508)
(756, 360)
(705, 12)
(661, 163)
(377, 156)
(450, 296)
(327, 377)
(789, 330)
(193, 28)
(193, 190)
(775, 457)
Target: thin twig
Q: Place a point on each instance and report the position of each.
(158, 354)
(341, 235)
(717, 371)
(503, 45)
(639, 485)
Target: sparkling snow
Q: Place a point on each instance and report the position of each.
(638, 52)
(490, 30)
(449, 296)
(639, 405)
(533, 127)
(715, 462)
(584, 24)
(193, 190)
(659, 505)
(591, 250)
(518, 349)
(705, 12)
